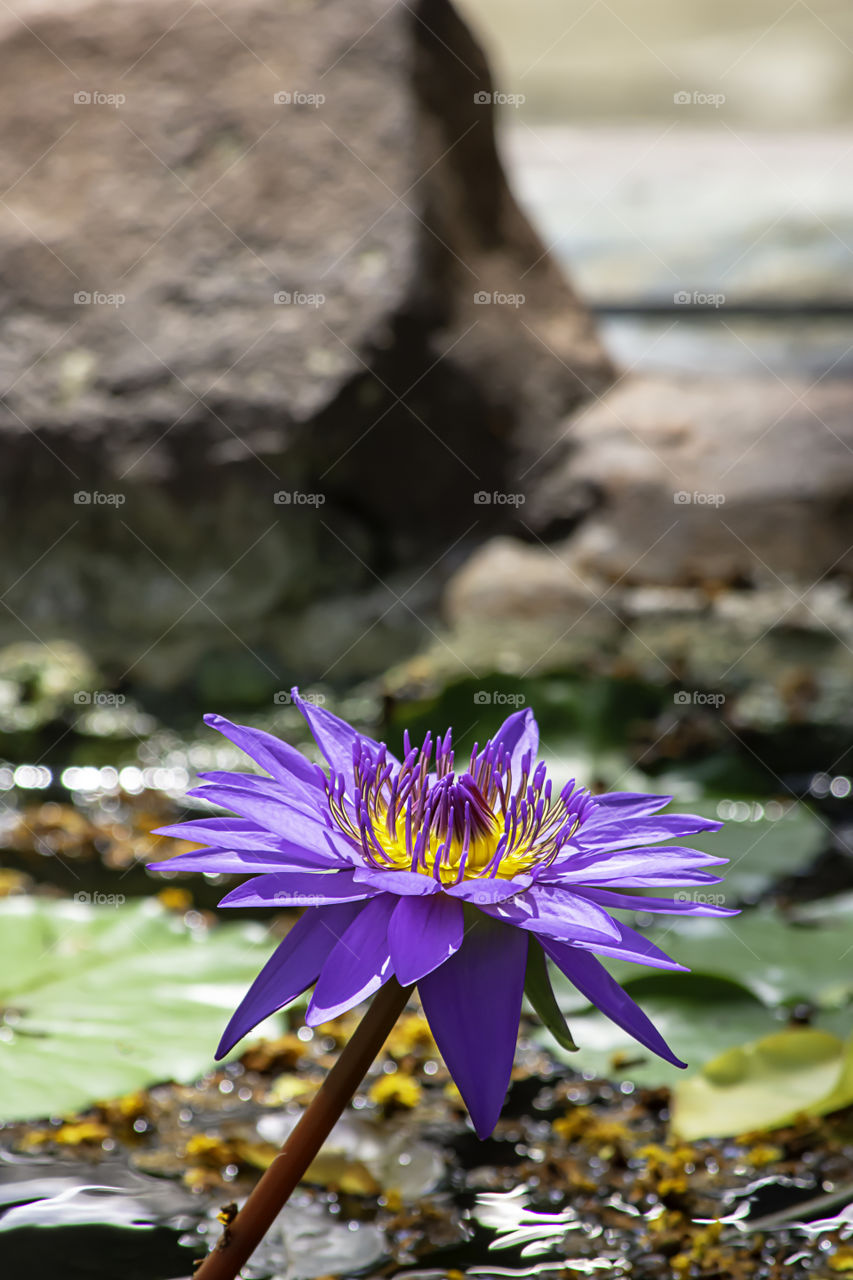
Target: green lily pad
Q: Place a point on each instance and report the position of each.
(97, 1001)
(698, 1016)
(763, 841)
(765, 1084)
(779, 961)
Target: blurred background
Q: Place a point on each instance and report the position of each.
(442, 361)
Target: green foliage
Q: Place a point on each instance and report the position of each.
(765, 1084)
(100, 1000)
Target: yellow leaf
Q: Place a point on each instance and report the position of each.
(765, 1084)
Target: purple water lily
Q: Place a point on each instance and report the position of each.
(457, 880)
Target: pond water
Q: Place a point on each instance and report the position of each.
(131, 1183)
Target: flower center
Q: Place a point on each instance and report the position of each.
(478, 824)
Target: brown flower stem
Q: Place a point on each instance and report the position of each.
(242, 1235)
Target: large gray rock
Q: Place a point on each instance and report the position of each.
(241, 251)
(712, 551)
(685, 482)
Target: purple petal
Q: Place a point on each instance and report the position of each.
(682, 903)
(238, 833)
(282, 761)
(621, 833)
(483, 891)
(291, 968)
(593, 981)
(519, 735)
(311, 801)
(223, 862)
(423, 933)
(625, 804)
(336, 738)
(558, 913)
(279, 817)
(400, 882)
(297, 889)
(358, 965)
(472, 1003)
(600, 868)
(632, 946)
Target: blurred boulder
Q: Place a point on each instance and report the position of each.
(270, 318)
(702, 481)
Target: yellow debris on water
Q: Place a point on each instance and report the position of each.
(396, 1090)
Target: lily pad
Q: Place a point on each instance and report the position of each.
(97, 1001)
(778, 960)
(697, 1015)
(765, 1084)
(763, 841)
